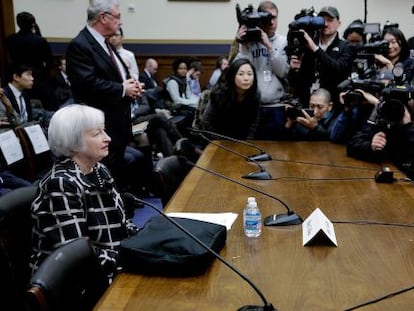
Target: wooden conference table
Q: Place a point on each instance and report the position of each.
(370, 260)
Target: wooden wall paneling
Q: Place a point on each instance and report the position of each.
(6, 28)
(165, 65)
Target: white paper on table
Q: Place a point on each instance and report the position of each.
(10, 146)
(224, 219)
(37, 138)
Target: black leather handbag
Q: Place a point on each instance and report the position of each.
(161, 248)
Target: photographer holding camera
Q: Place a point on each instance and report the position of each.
(357, 108)
(388, 136)
(355, 33)
(314, 123)
(259, 42)
(398, 52)
(325, 62)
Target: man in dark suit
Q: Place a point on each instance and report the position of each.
(100, 78)
(147, 75)
(20, 80)
(27, 47)
(62, 94)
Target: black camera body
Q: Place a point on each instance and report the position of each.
(390, 112)
(251, 18)
(352, 96)
(376, 47)
(365, 75)
(295, 109)
(307, 21)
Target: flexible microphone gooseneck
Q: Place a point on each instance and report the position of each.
(262, 156)
(261, 175)
(267, 306)
(290, 218)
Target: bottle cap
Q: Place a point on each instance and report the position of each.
(251, 199)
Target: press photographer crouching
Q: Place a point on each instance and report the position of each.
(389, 132)
(359, 94)
(313, 123)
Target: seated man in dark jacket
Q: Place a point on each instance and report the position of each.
(388, 136)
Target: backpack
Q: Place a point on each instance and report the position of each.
(201, 107)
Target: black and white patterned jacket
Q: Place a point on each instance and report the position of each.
(70, 205)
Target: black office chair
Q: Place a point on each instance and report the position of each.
(71, 278)
(15, 247)
(168, 173)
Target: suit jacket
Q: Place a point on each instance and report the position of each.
(147, 79)
(9, 94)
(30, 49)
(33, 50)
(62, 91)
(95, 81)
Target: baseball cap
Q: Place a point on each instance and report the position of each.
(329, 10)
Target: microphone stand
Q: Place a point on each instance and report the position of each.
(262, 156)
(267, 306)
(290, 218)
(261, 175)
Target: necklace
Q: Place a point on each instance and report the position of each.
(94, 178)
(98, 177)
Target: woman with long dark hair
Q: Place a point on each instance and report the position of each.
(232, 106)
(398, 52)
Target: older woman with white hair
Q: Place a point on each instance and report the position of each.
(78, 197)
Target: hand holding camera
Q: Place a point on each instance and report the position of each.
(308, 119)
(378, 141)
(249, 20)
(295, 62)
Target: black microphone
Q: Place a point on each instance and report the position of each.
(261, 175)
(289, 218)
(129, 197)
(262, 156)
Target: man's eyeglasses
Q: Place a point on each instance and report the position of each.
(113, 15)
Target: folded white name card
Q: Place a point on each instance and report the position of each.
(318, 228)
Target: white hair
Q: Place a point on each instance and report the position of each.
(67, 126)
(96, 7)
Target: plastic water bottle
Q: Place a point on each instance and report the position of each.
(252, 219)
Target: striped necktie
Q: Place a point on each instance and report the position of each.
(22, 108)
(112, 55)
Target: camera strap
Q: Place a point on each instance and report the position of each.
(316, 84)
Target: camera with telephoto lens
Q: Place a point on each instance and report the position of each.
(365, 75)
(308, 21)
(390, 112)
(251, 18)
